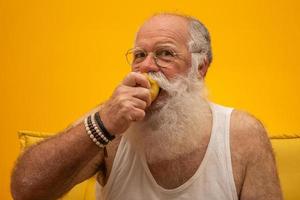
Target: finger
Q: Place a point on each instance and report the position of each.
(138, 103)
(137, 114)
(134, 79)
(143, 94)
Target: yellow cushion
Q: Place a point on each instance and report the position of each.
(287, 153)
(82, 191)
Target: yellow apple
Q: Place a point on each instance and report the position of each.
(154, 89)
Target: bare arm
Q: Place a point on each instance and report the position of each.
(260, 179)
(51, 168)
(48, 170)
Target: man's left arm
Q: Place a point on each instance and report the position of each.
(260, 180)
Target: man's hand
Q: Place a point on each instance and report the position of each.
(127, 104)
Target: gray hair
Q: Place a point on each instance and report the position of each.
(199, 44)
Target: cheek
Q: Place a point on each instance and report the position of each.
(189, 61)
(180, 68)
(134, 68)
(172, 72)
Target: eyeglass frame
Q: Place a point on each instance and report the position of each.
(174, 54)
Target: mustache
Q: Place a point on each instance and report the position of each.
(170, 86)
(160, 78)
(176, 85)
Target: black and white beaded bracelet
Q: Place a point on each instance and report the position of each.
(90, 132)
(95, 131)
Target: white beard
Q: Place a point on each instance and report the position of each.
(174, 126)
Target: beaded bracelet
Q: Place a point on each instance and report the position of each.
(95, 131)
(101, 126)
(91, 133)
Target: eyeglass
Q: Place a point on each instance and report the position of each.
(163, 57)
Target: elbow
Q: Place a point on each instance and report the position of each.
(18, 192)
(31, 188)
(21, 190)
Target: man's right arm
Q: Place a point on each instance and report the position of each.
(49, 169)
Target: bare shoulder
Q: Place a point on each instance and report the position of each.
(248, 133)
(253, 162)
(245, 122)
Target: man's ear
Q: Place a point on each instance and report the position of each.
(202, 69)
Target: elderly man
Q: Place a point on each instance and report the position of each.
(178, 146)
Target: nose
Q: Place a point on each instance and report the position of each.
(149, 64)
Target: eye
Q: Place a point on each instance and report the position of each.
(164, 53)
(139, 55)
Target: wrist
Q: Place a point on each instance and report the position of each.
(96, 131)
(107, 123)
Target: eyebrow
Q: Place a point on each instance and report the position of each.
(165, 43)
(161, 44)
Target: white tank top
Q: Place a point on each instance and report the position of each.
(131, 179)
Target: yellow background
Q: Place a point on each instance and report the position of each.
(59, 58)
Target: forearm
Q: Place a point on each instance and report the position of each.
(51, 168)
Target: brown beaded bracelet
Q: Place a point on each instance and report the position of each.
(94, 132)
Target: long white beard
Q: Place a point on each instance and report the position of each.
(175, 127)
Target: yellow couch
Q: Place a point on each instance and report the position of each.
(286, 148)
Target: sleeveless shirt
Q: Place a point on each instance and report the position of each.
(131, 179)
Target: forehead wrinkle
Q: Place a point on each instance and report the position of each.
(164, 31)
(160, 43)
(160, 36)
